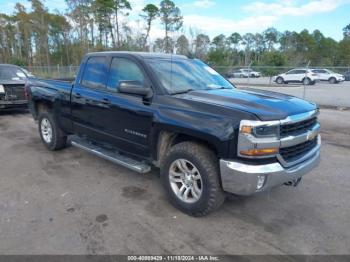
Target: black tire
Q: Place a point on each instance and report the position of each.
(332, 80)
(306, 81)
(280, 80)
(59, 138)
(212, 195)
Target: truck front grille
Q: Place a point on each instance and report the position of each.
(297, 128)
(293, 153)
(14, 92)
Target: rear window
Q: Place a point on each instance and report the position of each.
(95, 72)
(11, 73)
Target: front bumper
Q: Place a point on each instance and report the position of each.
(242, 179)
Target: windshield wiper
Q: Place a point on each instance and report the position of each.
(183, 91)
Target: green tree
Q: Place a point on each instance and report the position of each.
(182, 45)
(219, 41)
(103, 10)
(40, 23)
(120, 7)
(171, 18)
(201, 45)
(346, 31)
(234, 39)
(271, 37)
(150, 13)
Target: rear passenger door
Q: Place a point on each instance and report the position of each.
(89, 99)
(323, 74)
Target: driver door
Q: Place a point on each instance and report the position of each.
(128, 120)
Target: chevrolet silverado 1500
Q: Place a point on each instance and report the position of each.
(207, 137)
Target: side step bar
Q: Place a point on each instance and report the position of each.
(110, 155)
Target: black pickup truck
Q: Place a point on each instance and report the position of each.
(207, 137)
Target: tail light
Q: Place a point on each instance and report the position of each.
(26, 90)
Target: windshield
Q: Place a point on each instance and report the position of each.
(329, 71)
(11, 73)
(183, 75)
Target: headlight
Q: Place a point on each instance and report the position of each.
(258, 139)
(267, 131)
(2, 89)
(260, 129)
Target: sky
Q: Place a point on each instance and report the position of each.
(214, 17)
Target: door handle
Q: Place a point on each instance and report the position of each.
(106, 101)
(77, 96)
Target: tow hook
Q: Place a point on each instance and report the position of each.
(293, 182)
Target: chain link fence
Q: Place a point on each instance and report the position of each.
(53, 72)
(323, 93)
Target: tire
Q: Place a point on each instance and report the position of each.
(332, 80)
(51, 135)
(306, 81)
(205, 194)
(279, 80)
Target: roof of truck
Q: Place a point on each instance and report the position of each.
(141, 54)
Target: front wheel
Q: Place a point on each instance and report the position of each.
(190, 176)
(51, 135)
(306, 81)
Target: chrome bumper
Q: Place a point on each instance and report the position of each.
(242, 179)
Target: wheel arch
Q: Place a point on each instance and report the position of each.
(167, 139)
(41, 105)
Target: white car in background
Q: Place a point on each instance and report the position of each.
(328, 75)
(298, 75)
(244, 73)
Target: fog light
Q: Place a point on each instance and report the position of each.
(260, 183)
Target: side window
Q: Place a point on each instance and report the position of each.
(300, 72)
(123, 69)
(291, 72)
(94, 72)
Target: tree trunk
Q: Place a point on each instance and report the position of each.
(111, 30)
(117, 25)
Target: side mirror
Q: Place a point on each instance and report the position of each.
(134, 88)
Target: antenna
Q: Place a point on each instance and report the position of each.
(171, 71)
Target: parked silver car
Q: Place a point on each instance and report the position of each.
(328, 75)
(244, 73)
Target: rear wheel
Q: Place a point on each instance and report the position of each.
(190, 176)
(332, 80)
(279, 80)
(51, 135)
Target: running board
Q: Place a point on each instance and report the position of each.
(110, 155)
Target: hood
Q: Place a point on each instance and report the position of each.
(265, 105)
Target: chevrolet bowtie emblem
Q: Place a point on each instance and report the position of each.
(311, 135)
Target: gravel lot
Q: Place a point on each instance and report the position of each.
(322, 93)
(71, 202)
